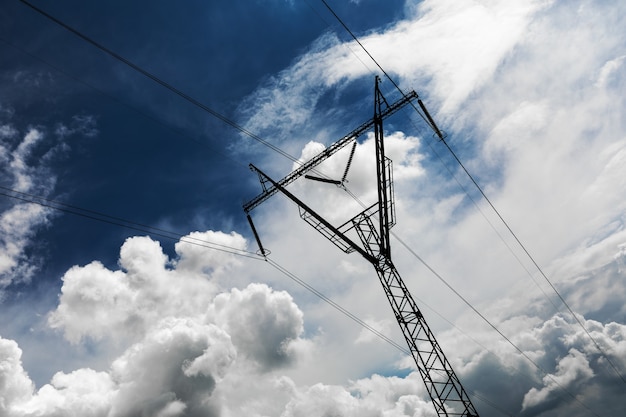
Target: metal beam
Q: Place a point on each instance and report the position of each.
(322, 156)
(336, 232)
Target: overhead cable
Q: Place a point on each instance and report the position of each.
(159, 81)
(76, 79)
(118, 221)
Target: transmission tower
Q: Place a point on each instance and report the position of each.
(367, 233)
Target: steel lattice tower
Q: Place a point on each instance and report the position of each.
(372, 228)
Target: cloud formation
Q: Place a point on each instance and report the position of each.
(219, 357)
(180, 337)
(476, 37)
(545, 125)
(99, 303)
(545, 129)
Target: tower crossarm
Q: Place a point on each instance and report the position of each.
(332, 149)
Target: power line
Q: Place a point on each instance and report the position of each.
(356, 39)
(168, 86)
(336, 306)
(438, 132)
(532, 259)
(232, 123)
(159, 121)
(433, 126)
(76, 79)
(161, 82)
(118, 221)
(154, 231)
(319, 15)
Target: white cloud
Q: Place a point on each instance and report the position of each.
(174, 368)
(19, 221)
(83, 392)
(98, 303)
(180, 337)
(458, 45)
(375, 396)
(380, 326)
(15, 385)
(608, 72)
(262, 323)
(194, 257)
(15, 225)
(201, 360)
(18, 164)
(83, 125)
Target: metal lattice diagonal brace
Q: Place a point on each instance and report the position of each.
(372, 227)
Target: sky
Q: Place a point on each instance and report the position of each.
(130, 281)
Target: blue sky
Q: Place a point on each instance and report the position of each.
(530, 96)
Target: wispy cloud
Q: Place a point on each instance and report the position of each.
(25, 163)
(19, 221)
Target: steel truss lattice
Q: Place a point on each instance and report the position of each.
(372, 228)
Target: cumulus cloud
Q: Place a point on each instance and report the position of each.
(373, 396)
(173, 371)
(573, 368)
(181, 338)
(559, 372)
(15, 385)
(99, 303)
(576, 367)
(81, 392)
(188, 359)
(262, 323)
